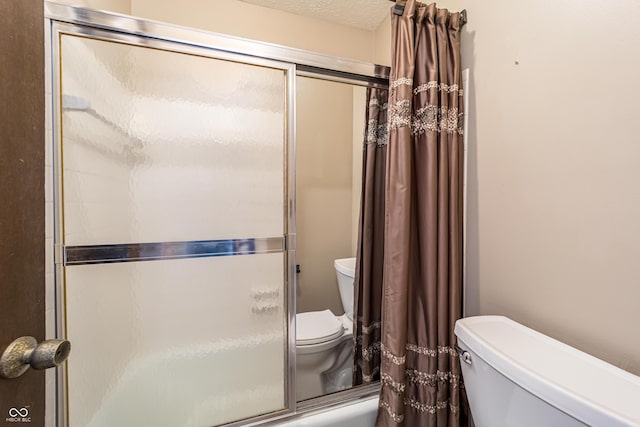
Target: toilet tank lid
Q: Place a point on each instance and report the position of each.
(346, 266)
(577, 383)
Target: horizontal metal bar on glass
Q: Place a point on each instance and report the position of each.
(129, 252)
(157, 30)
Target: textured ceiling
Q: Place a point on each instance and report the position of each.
(364, 14)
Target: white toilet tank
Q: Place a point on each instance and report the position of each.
(517, 377)
(345, 270)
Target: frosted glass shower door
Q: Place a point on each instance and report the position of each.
(172, 218)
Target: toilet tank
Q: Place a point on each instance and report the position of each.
(517, 377)
(345, 271)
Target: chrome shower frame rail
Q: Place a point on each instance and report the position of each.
(295, 62)
(316, 64)
(105, 254)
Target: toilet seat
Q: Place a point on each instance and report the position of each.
(317, 327)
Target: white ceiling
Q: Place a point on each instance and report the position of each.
(363, 14)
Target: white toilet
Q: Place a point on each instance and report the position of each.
(324, 342)
(517, 377)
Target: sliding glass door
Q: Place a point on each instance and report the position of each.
(172, 216)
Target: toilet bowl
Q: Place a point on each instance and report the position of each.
(517, 377)
(324, 342)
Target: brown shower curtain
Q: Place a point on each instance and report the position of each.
(369, 260)
(422, 284)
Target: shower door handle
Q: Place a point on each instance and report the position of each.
(25, 352)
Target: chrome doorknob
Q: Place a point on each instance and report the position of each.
(25, 352)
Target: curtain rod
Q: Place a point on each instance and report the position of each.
(398, 9)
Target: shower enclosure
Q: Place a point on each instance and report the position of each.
(174, 221)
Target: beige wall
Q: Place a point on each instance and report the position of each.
(359, 118)
(382, 42)
(118, 6)
(554, 167)
(324, 164)
(259, 23)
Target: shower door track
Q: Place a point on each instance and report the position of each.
(307, 63)
(111, 26)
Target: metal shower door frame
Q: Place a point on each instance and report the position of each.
(63, 19)
(64, 255)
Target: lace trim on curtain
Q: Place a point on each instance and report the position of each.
(396, 387)
(429, 118)
(377, 134)
(425, 351)
(437, 119)
(400, 114)
(370, 378)
(432, 380)
(397, 360)
(398, 418)
(432, 352)
(376, 102)
(432, 84)
(369, 352)
(431, 409)
(436, 85)
(419, 378)
(422, 379)
(401, 81)
(419, 406)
